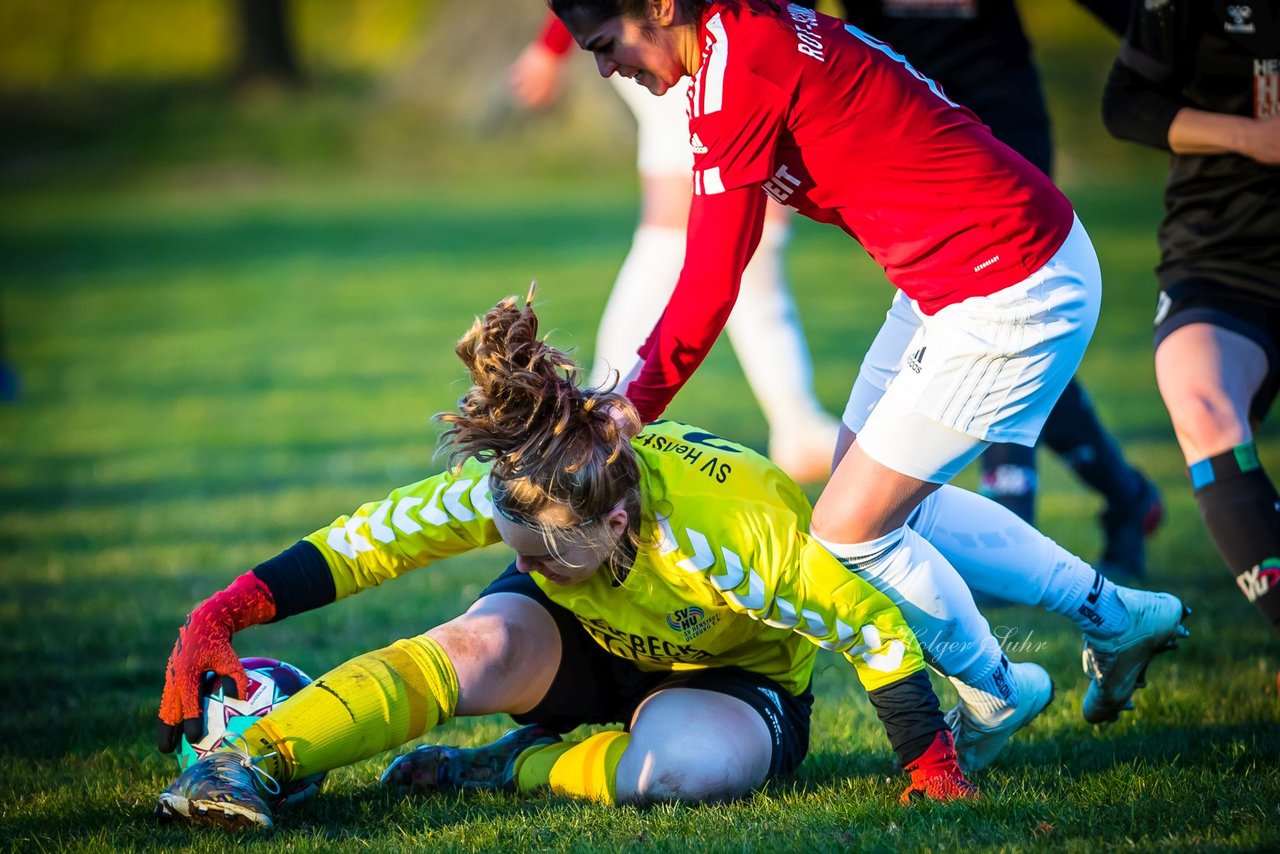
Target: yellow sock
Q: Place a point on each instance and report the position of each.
(587, 769)
(533, 767)
(372, 703)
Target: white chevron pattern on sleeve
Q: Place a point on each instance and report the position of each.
(438, 510)
(778, 612)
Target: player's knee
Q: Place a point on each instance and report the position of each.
(1207, 417)
(691, 771)
(482, 638)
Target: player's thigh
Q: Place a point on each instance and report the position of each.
(664, 157)
(664, 200)
(694, 745)
(867, 496)
(882, 361)
(1208, 377)
(505, 650)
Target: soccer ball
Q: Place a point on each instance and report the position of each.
(271, 682)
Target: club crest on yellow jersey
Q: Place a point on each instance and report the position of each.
(691, 621)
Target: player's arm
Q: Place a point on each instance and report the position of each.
(1143, 90)
(1143, 101)
(536, 77)
(724, 229)
(787, 579)
(413, 527)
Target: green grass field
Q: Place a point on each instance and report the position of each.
(209, 374)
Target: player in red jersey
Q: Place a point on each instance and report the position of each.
(1002, 278)
(764, 327)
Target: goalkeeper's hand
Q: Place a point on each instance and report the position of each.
(204, 645)
(936, 774)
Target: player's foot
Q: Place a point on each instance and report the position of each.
(433, 767)
(805, 452)
(1125, 528)
(977, 742)
(218, 790)
(1117, 666)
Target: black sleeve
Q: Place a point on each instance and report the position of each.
(1143, 91)
(909, 711)
(299, 580)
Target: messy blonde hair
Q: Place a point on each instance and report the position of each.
(551, 442)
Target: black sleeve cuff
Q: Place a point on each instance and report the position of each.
(909, 711)
(1137, 109)
(299, 580)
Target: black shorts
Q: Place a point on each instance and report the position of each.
(1199, 300)
(595, 687)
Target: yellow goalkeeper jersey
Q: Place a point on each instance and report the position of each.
(726, 573)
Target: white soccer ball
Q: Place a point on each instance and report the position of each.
(271, 682)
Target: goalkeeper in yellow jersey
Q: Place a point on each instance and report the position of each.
(663, 579)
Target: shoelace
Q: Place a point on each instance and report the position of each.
(267, 781)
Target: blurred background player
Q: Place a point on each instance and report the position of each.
(978, 51)
(646, 569)
(764, 328)
(1202, 81)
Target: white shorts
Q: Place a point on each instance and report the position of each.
(662, 145)
(933, 391)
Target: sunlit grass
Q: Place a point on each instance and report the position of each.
(208, 377)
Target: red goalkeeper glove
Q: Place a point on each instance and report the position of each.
(936, 774)
(204, 644)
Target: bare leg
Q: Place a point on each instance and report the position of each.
(1208, 377)
(693, 745)
(505, 650)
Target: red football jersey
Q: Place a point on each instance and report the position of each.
(834, 123)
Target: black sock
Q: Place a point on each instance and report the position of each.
(1241, 509)
(1009, 477)
(1075, 434)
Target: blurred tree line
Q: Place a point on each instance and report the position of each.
(48, 44)
(113, 86)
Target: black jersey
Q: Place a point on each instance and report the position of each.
(977, 50)
(1222, 211)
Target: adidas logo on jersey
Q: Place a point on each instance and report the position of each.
(698, 147)
(915, 359)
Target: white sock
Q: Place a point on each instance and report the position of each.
(955, 638)
(765, 331)
(640, 293)
(999, 554)
(987, 690)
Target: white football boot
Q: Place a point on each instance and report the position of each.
(1117, 666)
(977, 742)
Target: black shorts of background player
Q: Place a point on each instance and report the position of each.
(1202, 81)
(977, 50)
